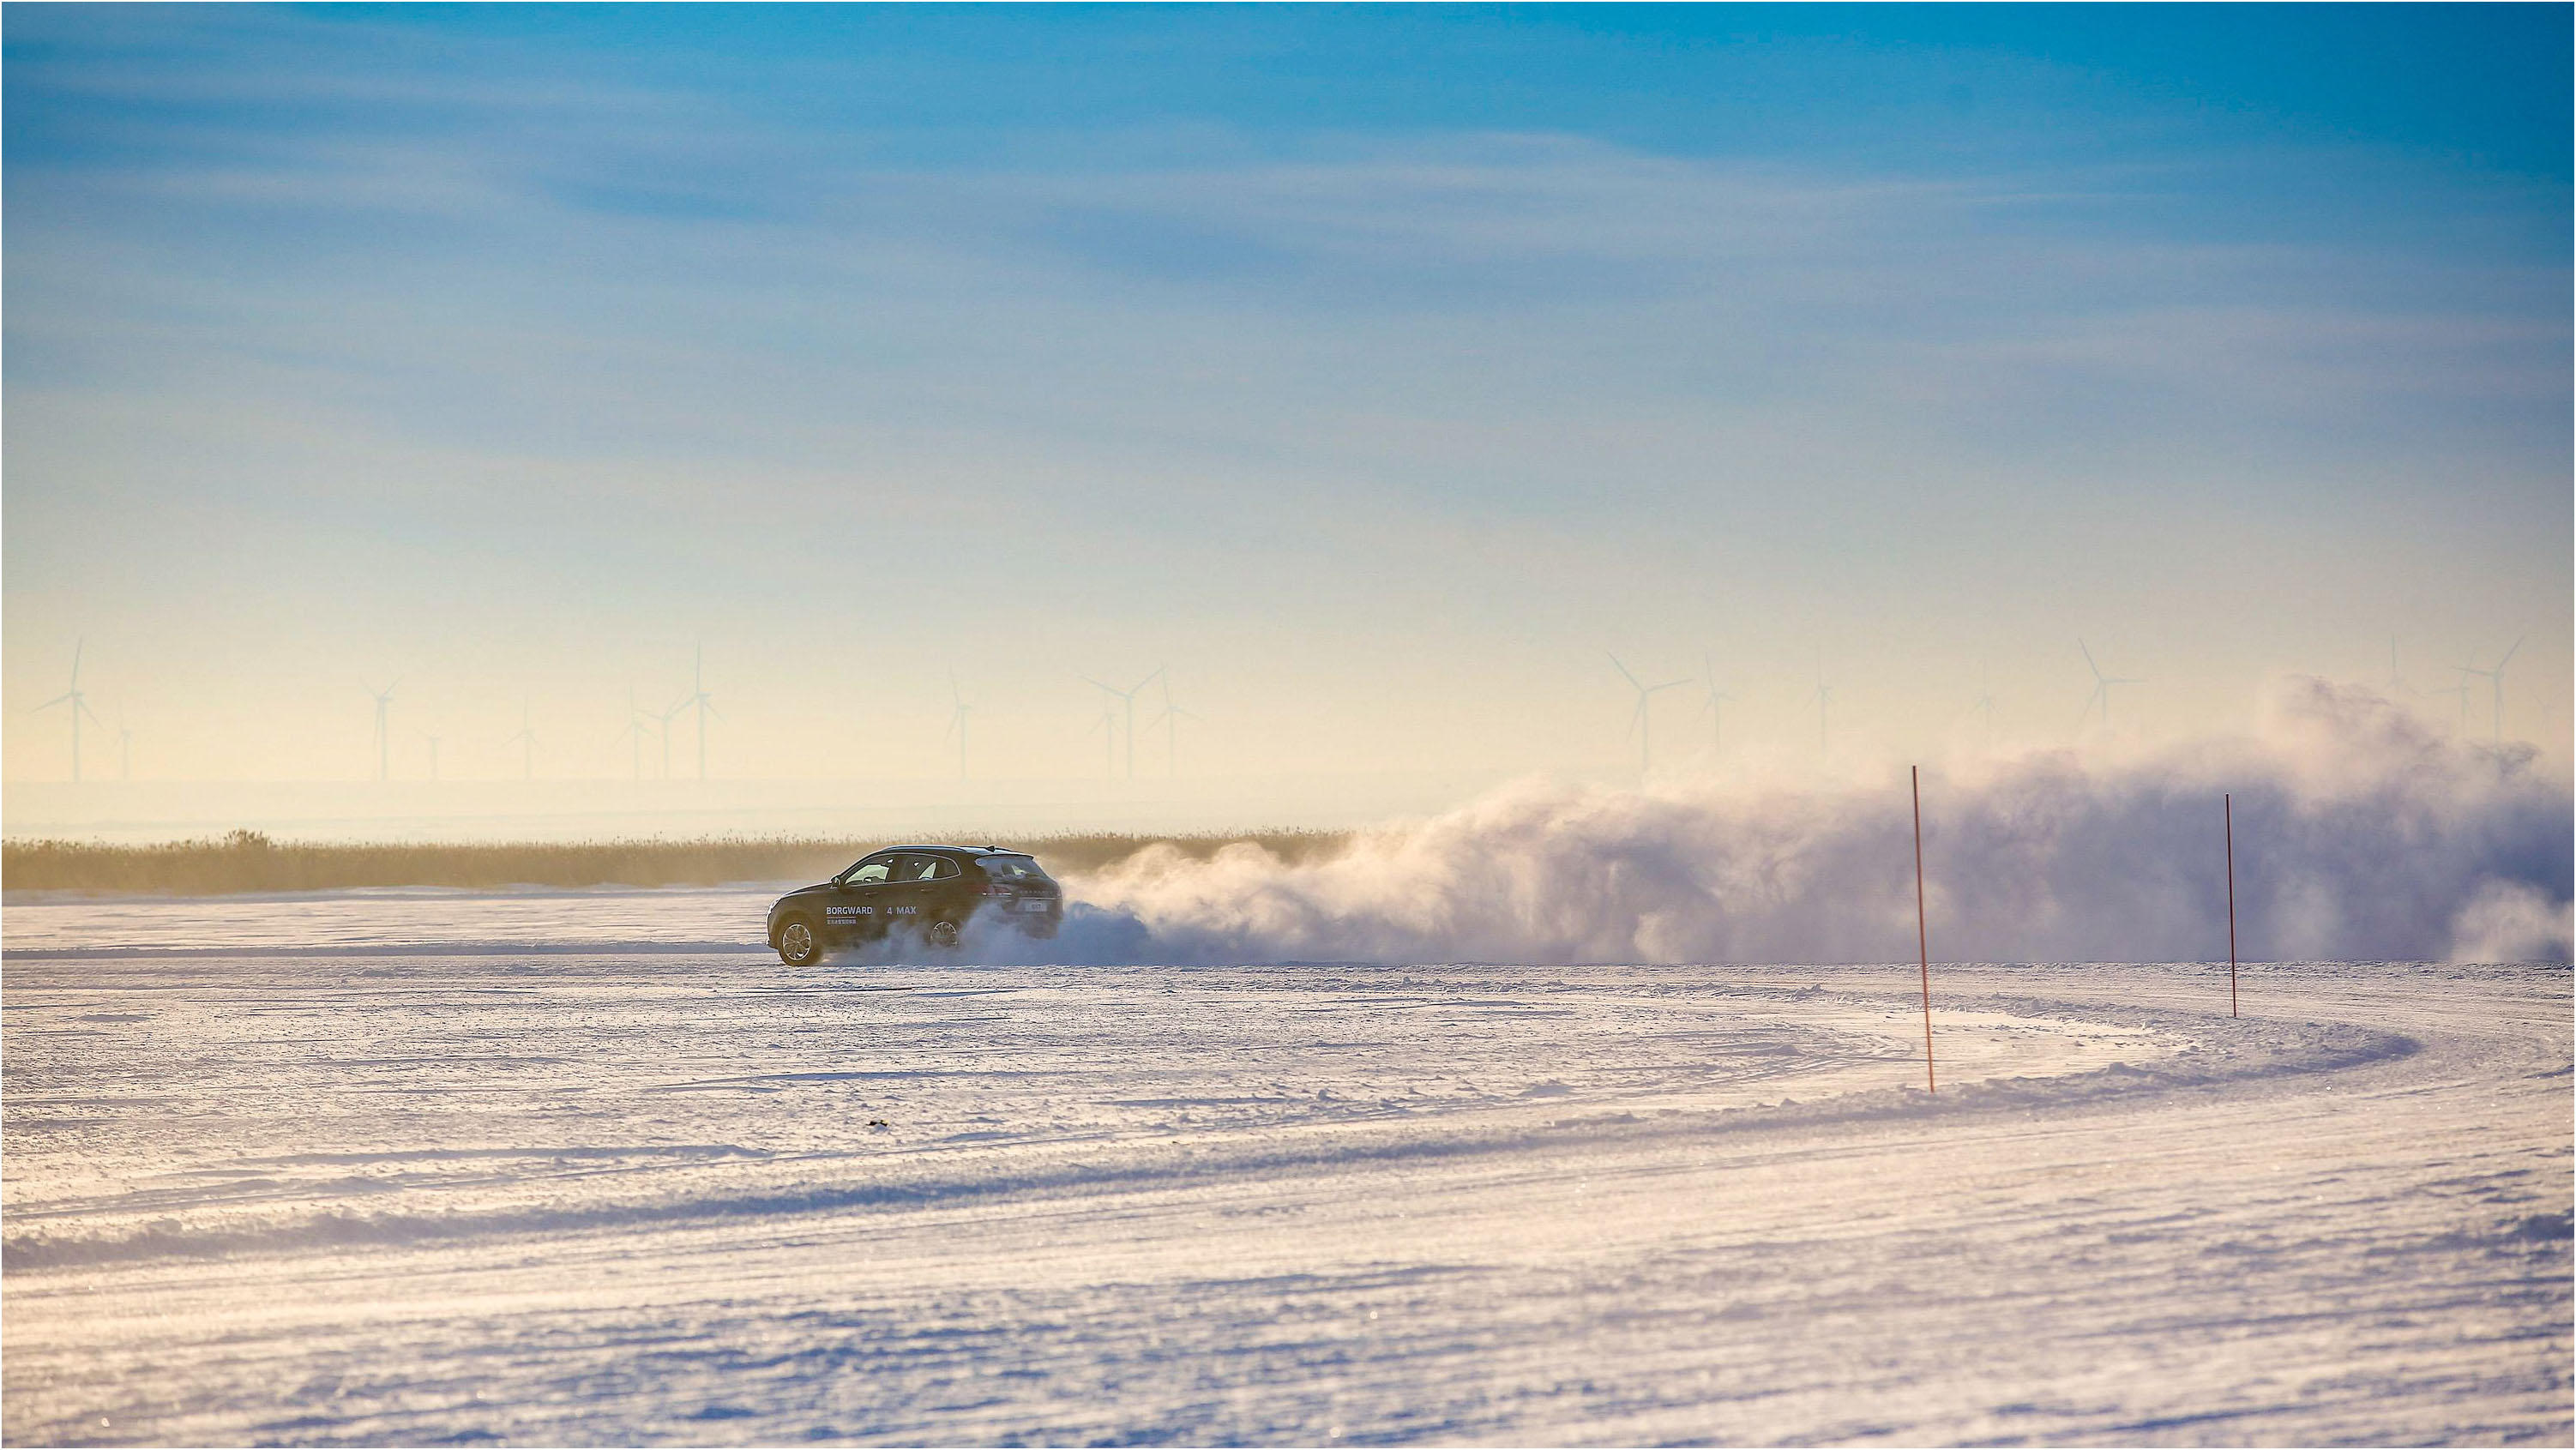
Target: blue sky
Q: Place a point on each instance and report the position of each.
(1377, 369)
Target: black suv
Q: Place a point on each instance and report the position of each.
(928, 890)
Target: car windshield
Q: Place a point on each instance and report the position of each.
(1013, 868)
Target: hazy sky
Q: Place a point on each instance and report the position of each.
(1377, 370)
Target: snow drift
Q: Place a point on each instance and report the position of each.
(2361, 833)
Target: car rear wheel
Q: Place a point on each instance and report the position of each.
(942, 933)
(798, 945)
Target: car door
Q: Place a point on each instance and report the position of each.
(907, 891)
(940, 884)
(862, 899)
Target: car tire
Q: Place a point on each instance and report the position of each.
(799, 944)
(941, 934)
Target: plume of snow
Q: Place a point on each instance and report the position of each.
(2361, 834)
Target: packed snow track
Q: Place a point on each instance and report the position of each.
(483, 1183)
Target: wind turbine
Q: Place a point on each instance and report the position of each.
(384, 737)
(1713, 707)
(526, 740)
(664, 731)
(2102, 684)
(124, 747)
(1128, 698)
(1640, 721)
(705, 702)
(79, 704)
(957, 725)
(1108, 728)
(634, 733)
(1170, 720)
(2495, 676)
(2461, 690)
(433, 753)
(1823, 699)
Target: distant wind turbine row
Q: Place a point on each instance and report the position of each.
(526, 736)
(1117, 724)
(1117, 703)
(1170, 720)
(384, 699)
(634, 733)
(705, 703)
(2097, 704)
(1127, 699)
(1641, 720)
(2494, 676)
(1712, 704)
(79, 704)
(2102, 684)
(957, 723)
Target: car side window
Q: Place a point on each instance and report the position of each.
(868, 873)
(941, 869)
(923, 868)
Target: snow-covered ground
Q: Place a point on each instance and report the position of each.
(575, 1168)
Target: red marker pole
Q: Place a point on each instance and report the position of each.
(2227, 804)
(1922, 935)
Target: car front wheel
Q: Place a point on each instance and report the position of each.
(798, 946)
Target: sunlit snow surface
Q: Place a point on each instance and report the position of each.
(574, 1168)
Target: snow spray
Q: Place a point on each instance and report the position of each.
(2384, 838)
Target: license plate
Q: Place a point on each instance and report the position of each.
(1033, 905)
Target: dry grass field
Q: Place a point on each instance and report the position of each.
(247, 861)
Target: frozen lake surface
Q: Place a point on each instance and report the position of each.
(581, 1168)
